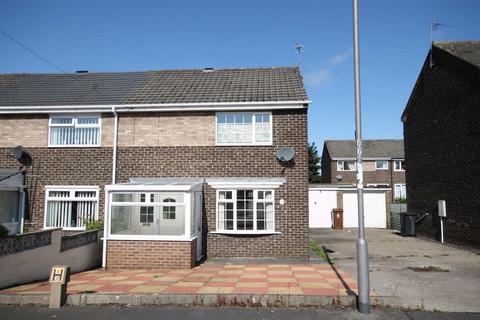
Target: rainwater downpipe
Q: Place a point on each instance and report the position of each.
(106, 227)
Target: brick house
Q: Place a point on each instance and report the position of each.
(442, 142)
(383, 164)
(181, 164)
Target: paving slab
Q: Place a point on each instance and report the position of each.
(224, 285)
(450, 281)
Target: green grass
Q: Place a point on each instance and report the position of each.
(317, 249)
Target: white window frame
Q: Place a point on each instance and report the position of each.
(253, 142)
(395, 190)
(395, 165)
(148, 190)
(339, 166)
(72, 190)
(381, 168)
(75, 125)
(234, 200)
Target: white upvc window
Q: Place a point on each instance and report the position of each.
(381, 165)
(245, 211)
(346, 165)
(400, 191)
(70, 207)
(244, 128)
(399, 165)
(134, 214)
(74, 131)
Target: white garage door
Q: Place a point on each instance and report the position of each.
(374, 209)
(321, 203)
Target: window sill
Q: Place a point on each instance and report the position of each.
(245, 232)
(74, 146)
(269, 144)
(150, 238)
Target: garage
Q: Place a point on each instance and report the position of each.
(322, 199)
(375, 212)
(321, 203)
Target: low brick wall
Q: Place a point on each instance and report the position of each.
(144, 254)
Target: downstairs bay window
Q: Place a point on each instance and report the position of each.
(245, 211)
(70, 208)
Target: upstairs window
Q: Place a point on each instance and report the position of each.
(399, 165)
(381, 165)
(344, 165)
(244, 128)
(74, 131)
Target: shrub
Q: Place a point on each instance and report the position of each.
(94, 225)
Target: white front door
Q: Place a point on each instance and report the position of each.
(320, 205)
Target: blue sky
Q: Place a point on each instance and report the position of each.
(149, 35)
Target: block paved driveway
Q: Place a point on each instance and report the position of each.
(453, 286)
(296, 279)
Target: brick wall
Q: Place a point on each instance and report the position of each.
(132, 254)
(370, 174)
(24, 130)
(442, 143)
(59, 166)
(92, 166)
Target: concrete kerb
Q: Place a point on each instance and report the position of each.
(211, 300)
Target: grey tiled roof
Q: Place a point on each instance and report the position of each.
(392, 149)
(153, 87)
(465, 50)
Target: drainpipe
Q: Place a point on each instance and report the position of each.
(115, 133)
(114, 170)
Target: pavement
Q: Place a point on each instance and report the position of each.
(208, 284)
(194, 313)
(423, 274)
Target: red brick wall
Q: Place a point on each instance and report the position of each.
(442, 150)
(92, 166)
(60, 166)
(129, 254)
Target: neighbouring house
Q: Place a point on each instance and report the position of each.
(181, 164)
(383, 171)
(383, 164)
(442, 143)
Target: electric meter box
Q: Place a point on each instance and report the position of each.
(442, 209)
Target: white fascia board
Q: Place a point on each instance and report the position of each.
(214, 106)
(143, 187)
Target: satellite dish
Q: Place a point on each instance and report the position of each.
(17, 152)
(285, 154)
(339, 177)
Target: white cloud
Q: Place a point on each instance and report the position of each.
(341, 57)
(319, 78)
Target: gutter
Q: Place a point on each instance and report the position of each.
(214, 106)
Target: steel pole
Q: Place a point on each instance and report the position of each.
(362, 248)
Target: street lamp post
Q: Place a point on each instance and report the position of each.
(362, 248)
